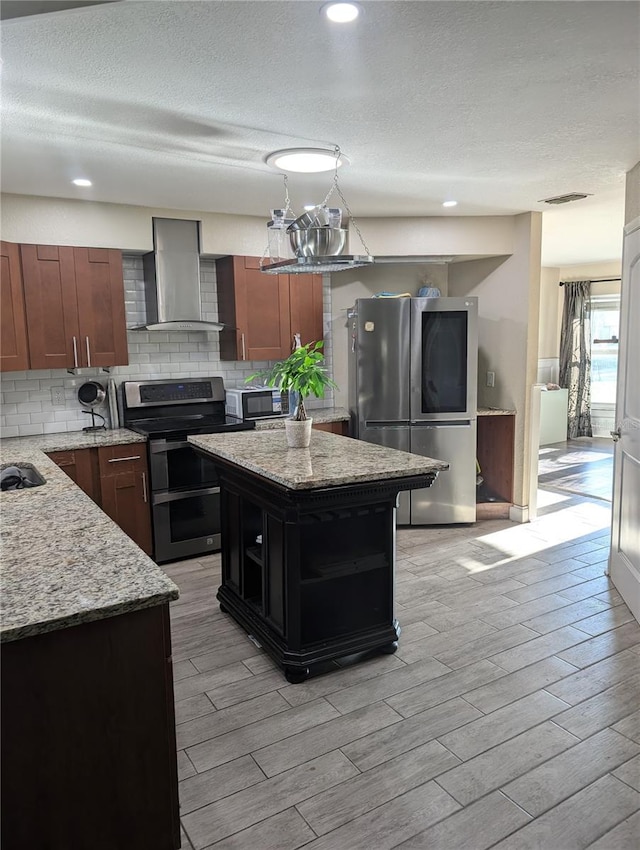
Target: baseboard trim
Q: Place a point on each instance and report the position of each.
(519, 513)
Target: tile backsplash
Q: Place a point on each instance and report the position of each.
(28, 397)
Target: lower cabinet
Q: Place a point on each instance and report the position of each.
(341, 428)
(495, 453)
(88, 737)
(81, 465)
(116, 478)
(310, 576)
(124, 490)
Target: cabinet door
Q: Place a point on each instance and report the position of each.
(100, 293)
(124, 490)
(257, 306)
(51, 306)
(14, 354)
(305, 298)
(81, 465)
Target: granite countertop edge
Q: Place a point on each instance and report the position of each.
(65, 562)
(495, 411)
(266, 454)
(320, 416)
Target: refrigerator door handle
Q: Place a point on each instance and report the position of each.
(386, 423)
(443, 423)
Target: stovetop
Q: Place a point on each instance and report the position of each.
(174, 409)
(168, 427)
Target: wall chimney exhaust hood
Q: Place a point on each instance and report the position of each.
(172, 278)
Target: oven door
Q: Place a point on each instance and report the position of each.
(186, 523)
(175, 465)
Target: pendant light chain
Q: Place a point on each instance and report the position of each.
(335, 187)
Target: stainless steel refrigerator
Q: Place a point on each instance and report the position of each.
(413, 366)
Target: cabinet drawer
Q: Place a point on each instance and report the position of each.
(117, 460)
(63, 459)
(81, 465)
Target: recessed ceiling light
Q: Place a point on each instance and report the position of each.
(341, 13)
(81, 181)
(450, 204)
(307, 160)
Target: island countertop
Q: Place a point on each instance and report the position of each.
(320, 416)
(65, 562)
(330, 461)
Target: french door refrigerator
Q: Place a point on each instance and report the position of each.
(413, 386)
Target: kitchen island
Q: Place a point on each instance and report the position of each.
(88, 736)
(308, 549)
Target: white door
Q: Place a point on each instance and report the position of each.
(624, 558)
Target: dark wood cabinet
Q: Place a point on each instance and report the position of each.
(74, 299)
(116, 478)
(309, 573)
(81, 465)
(265, 311)
(495, 452)
(305, 301)
(14, 351)
(124, 492)
(88, 737)
(341, 427)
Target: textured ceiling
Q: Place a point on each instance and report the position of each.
(176, 104)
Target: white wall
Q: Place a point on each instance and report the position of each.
(59, 221)
(508, 291)
(348, 286)
(474, 236)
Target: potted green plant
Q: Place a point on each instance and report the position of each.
(302, 373)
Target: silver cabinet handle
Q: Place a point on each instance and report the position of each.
(120, 459)
(88, 352)
(244, 351)
(615, 435)
(144, 487)
(75, 353)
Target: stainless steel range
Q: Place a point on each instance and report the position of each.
(185, 495)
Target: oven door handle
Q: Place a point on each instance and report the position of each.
(163, 498)
(157, 447)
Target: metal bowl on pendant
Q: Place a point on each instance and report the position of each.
(318, 241)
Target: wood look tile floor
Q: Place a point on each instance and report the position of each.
(508, 717)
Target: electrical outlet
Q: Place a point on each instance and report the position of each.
(57, 396)
(491, 379)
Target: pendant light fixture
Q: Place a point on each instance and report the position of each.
(316, 237)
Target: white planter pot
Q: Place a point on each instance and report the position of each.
(298, 433)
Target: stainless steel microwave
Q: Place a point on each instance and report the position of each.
(256, 402)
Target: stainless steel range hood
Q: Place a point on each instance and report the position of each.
(172, 278)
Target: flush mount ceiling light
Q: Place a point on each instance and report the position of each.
(82, 181)
(341, 13)
(449, 203)
(306, 160)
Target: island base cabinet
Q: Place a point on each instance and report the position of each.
(311, 580)
(88, 737)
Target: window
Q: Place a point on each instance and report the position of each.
(605, 324)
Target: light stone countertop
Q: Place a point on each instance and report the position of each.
(320, 416)
(64, 561)
(330, 460)
(495, 411)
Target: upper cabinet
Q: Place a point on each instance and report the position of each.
(14, 353)
(264, 311)
(75, 309)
